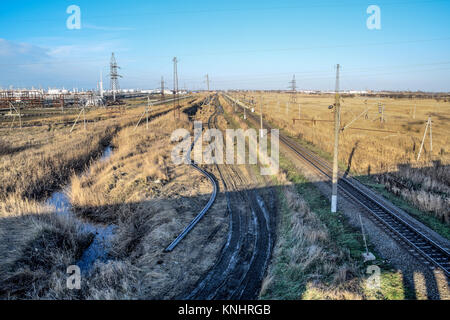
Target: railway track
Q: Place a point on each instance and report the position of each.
(244, 258)
(28, 119)
(419, 244)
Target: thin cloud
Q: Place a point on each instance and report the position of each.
(105, 28)
(12, 52)
(26, 64)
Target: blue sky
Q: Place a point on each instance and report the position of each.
(240, 44)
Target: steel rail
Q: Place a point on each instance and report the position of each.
(200, 215)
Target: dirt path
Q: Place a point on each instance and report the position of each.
(243, 261)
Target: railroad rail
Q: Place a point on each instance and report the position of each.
(29, 123)
(200, 215)
(418, 242)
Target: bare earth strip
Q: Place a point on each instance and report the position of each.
(244, 259)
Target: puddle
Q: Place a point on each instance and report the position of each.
(107, 153)
(98, 250)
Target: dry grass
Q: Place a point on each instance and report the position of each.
(379, 150)
(312, 262)
(388, 155)
(306, 262)
(150, 200)
(51, 117)
(33, 173)
(427, 188)
(316, 255)
(317, 292)
(36, 160)
(140, 158)
(40, 160)
(37, 245)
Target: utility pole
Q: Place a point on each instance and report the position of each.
(101, 84)
(162, 88)
(261, 117)
(245, 109)
(431, 138)
(424, 136)
(366, 116)
(20, 116)
(175, 84)
(337, 124)
(114, 75)
(62, 102)
(207, 82)
(381, 111)
(84, 118)
(146, 111)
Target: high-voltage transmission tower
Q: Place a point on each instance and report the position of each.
(293, 87)
(114, 76)
(207, 82)
(175, 84)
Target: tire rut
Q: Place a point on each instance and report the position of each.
(243, 261)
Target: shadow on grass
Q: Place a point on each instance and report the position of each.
(36, 247)
(8, 150)
(411, 188)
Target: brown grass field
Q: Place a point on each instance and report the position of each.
(317, 256)
(385, 151)
(35, 161)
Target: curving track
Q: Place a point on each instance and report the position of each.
(419, 244)
(208, 205)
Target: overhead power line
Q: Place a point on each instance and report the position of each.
(223, 52)
(252, 8)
